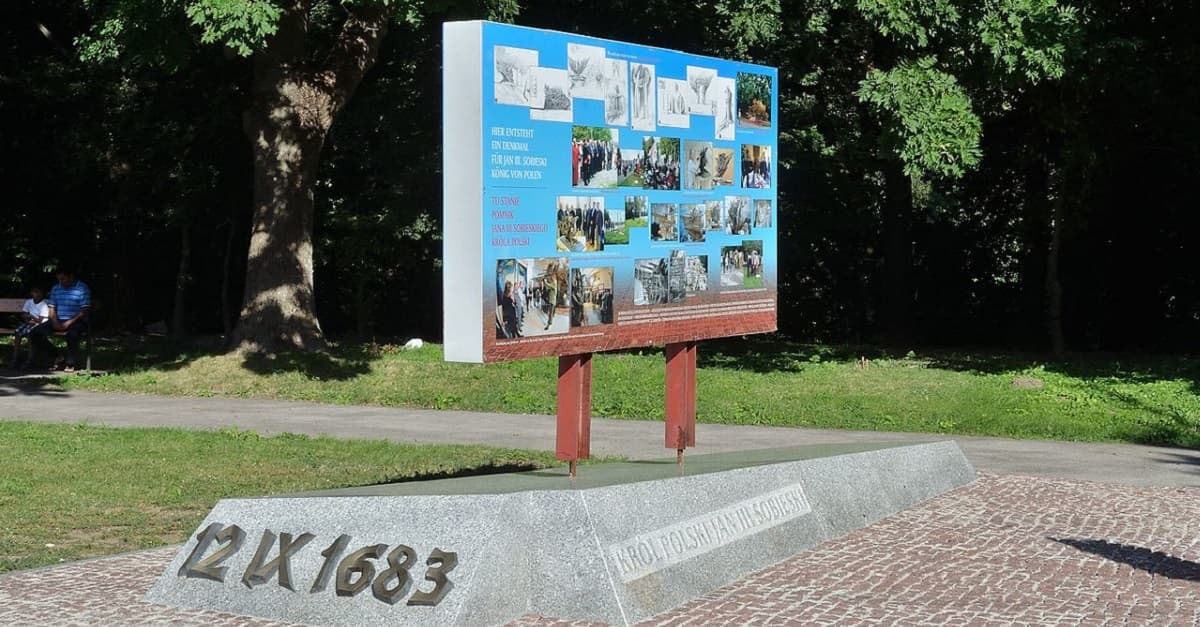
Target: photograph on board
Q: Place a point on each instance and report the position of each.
(738, 215)
(700, 97)
(753, 251)
(515, 77)
(754, 100)
(586, 67)
(756, 166)
(615, 233)
(591, 296)
(629, 169)
(741, 265)
(556, 102)
(660, 163)
(696, 275)
(672, 103)
(715, 210)
(698, 167)
(693, 222)
(637, 210)
(677, 277)
(531, 297)
(725, 108)
(581, 221)
(650, 281)
(595, 153)
(664, 220)
(641, 79)
(616, 92)
(723, 166)
(762, 214)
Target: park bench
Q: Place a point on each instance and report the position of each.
(13, 306)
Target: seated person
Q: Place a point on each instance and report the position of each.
(70, 303)
(35, 312)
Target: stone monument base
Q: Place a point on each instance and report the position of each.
(629, 541)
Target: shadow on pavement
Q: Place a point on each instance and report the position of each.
(24, 383)
(1183, 458)
(1154, 562)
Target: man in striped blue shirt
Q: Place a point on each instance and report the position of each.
(70, 303)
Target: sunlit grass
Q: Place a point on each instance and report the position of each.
(74, 491)
(1138, 399)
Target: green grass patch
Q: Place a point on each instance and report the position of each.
(761, 381)
(752, 282)
(73, 491)
(616, 236)
(633, 180)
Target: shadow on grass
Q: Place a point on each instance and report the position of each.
(774, 353)
(478, 471)
(132, 354)
(312, 365)
(1127, 368)
(1154, 562)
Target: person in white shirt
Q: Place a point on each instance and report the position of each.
(34, 313)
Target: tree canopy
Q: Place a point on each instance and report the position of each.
(1014, 172)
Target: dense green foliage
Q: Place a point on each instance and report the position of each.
(75, 491)
(950, 172)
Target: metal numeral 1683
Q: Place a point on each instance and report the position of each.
(353, 573)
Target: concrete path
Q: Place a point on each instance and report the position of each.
(23, 399)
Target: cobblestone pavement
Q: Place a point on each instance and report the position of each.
(104, 591)
(1004, 550)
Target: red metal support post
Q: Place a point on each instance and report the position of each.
(681, 397)
(573, 435)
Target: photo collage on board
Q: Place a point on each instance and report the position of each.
(671, 179)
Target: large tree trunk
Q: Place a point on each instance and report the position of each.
(279, 309)
(293, 106)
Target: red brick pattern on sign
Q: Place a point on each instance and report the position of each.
(617, 336)
(1004, 550)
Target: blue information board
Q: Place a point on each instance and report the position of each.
(603, 195)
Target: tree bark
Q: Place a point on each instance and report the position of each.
(293, 105)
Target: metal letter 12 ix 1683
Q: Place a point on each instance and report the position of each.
(354, 573)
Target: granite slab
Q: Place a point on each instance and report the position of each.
(627, 541)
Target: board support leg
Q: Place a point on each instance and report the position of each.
(574, 421)
(681, 399)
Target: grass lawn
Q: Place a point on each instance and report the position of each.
(636, 222)
(616, 236)
(752, 282)
(759, 381)
(633, 180)
(73, 491)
